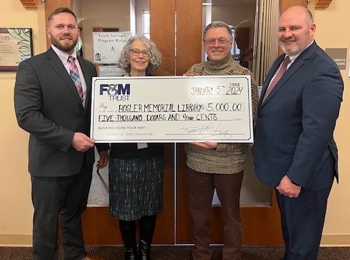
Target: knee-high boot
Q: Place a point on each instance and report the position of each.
(128, 232)
(147, 226)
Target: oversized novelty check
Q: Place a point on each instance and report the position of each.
(172, 109)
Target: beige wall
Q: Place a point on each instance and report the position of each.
(92, 14)
(16, 208)
(332, 32)
(95, 14)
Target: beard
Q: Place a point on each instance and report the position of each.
(63, 47)
(293, 48)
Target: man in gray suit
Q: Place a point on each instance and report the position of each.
(55, 110)
(294, 149)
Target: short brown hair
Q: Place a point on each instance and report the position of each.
(59, 11)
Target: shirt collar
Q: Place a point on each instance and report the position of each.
(293, 57)
(63, 55)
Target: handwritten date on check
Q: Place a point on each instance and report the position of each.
(172, 109)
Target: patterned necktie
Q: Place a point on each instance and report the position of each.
(74, 74)
(278, 76)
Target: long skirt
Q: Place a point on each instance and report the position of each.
(135, 187)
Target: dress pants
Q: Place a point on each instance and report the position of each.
(302, 221)
(60, 199)
(200, 190)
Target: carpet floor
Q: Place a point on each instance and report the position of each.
(179, 253)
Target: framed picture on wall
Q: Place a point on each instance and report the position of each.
(16, 45)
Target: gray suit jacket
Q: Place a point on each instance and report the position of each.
(294, 130)
(48, 106)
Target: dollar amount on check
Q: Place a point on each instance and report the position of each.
(172, 109)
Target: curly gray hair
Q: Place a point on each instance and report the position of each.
(155, 58)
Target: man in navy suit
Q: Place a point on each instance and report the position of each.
(294, 149)
(50, 108)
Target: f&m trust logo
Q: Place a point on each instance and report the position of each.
(115, 89)
(117, 92)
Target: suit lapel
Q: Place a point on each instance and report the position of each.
(57, 65)
(269, 76)
(294, 67)
(289, 72)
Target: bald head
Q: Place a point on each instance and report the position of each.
(296, 30)
(299, 11)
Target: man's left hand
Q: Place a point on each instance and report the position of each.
(288, 188)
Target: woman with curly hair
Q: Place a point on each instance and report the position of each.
(136, 169)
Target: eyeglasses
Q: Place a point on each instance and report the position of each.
(221, 41)
(136, 52)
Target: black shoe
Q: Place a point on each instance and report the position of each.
(128, 232)
(144, 251)
(130, 253)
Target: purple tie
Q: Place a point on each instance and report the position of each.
(74, 74)
(278, 76)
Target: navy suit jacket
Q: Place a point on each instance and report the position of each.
(294, 130)
(48, 106)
